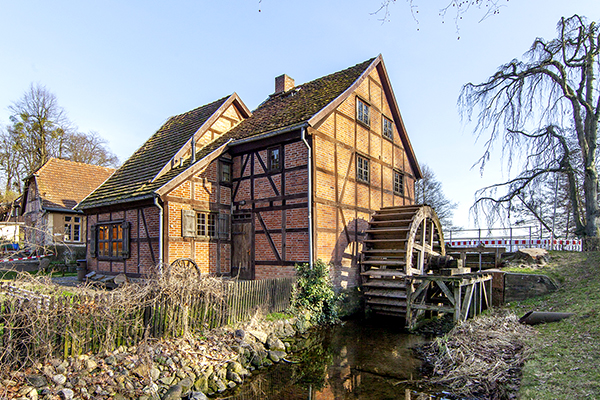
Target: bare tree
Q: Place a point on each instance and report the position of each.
(455, 8)
(38, 127)
(544, 113)
(10, 162)
(90, 148)
(428, 190)
(40, 130)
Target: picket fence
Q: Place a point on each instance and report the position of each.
(33, 326)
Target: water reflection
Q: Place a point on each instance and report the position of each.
(357, 360)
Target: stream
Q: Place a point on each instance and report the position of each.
(355, 360)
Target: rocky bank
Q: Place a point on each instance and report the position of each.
(168, 369)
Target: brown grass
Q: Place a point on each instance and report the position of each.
(40, 320)
(480, 358)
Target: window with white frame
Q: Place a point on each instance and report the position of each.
(362, 169)
(362, 112)
(399, 183)
(210, 224)
(387, 128)
(72, 228)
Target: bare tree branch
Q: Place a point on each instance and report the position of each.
(544, 115)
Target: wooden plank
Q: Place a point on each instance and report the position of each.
(442, 285)
(466, 303)
(390, 284)
(432, 307)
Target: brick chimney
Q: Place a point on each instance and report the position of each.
(283, 83)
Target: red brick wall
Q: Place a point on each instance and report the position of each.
(343, 205)
(202, 193)
(140, 241)
(278, 242)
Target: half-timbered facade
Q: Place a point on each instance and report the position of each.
(48, 202)
(250, 194)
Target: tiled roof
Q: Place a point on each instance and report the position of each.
(298, 104)
(133, 180)
(62, 183)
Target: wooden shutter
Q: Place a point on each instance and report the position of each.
(224, 226)
(93, 248)
(126, 229)
(188, 223)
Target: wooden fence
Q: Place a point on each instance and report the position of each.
(33, 326)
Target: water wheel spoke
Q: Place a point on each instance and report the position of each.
(402, 239)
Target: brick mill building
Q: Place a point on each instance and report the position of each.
(250, 194)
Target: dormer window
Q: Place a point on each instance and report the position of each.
(362, 112)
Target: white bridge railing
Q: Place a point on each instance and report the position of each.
(511, 238)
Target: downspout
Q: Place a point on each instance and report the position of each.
(160, 235)
(310, 219)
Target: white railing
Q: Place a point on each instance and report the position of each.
(511, 238)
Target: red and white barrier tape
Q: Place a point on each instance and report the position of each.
(25, 258)
(515, 242)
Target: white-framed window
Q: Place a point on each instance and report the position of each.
(72, 229)
(205, 224)
(362, 112)
(399, 183)
(362, 169)
(387, 128)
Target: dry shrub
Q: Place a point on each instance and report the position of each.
(482, 357)
(40, 320)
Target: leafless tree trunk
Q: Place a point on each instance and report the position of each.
(544, 114)
(39, 126)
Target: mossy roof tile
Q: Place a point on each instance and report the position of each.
(134, 179)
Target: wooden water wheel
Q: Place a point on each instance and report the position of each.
(400, 241)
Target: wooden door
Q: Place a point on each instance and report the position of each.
(242, 260)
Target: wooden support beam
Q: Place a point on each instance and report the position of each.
(466, 303)
(442, 285)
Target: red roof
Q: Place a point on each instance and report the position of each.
(62, 184)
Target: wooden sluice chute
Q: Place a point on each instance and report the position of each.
(404, 248)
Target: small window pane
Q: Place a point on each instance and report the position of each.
(225, 172)
(76, 229)
(399, 183)
(274, 159)
(201, 224)
(362, 169)
(362, 112)
(387, 128)
(211, 225)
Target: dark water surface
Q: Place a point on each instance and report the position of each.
(356, 360)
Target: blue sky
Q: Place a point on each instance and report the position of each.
(123, 67)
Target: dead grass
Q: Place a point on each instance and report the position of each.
(480, 358)
(34, 312)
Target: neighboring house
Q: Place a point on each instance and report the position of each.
(49, 198)
(250, 194)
